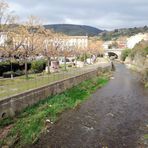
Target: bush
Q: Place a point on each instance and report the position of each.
(15, 74)
(8, 74)
(31, 71)
(6, 66)
(82, 57)
(38, 66)
(140, 49)
(19, 73)
(146, 50)
(145, 75)
(125, 53)
(69, 65)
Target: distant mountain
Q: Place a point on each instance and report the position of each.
(109, 35)
(74, 30)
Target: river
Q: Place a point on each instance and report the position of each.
(115, 116)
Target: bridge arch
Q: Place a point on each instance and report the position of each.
(113, 54)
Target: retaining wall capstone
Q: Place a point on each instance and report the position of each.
(13, 105)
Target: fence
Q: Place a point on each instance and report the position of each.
(10, 87)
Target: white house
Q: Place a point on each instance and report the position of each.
(133, 40)
(3, 38)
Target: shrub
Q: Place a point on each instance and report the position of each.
(125, 53)
(15, 74)
(6, 66)
(140, 49)
(19, 73)
(83, 57)
(146, 50)
(31, 71)
(145, 75)
(8, 74)
(38, 66)
(69, 65)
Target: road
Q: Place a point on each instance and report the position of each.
(115, 116)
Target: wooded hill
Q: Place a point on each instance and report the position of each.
(110, 35)
(74, 30)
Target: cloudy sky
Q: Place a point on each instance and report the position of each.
(103, 14)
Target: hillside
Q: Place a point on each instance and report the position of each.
(123, 32)
(74, 30)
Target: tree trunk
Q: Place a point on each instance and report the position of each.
(76, 61)
(26, 68)
(11, 68)
(90, 59)
(48, 64)
(84, 58)
(65, 63)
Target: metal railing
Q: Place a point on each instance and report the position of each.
(10, 87)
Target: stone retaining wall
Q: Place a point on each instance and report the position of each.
(13, 105)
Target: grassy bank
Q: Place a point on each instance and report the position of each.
(27, 127)
(9, 87)
(142, 72)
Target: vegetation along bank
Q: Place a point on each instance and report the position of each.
(137, 59)
(27, 127)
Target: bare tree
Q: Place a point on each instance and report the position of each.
(6, 17)
(31, 32)
(95, 47)
(66, 50)
(48, 49)
(76, 53)
(12, 44)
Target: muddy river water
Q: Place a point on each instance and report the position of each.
(115, 116)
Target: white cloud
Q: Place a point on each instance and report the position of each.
(105, 14)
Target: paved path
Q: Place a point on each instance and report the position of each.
(114, 117)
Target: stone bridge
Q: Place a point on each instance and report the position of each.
(113, 52)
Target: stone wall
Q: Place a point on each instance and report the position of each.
(13, 105)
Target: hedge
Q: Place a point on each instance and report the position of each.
(6, 66)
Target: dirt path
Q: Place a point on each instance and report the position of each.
(114, 117)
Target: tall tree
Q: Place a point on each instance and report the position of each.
(12, 44)
(95, 47)
(6, 17)
(65, 49)
(32, 32)
(48, 49)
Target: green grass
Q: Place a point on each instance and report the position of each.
(145, 137)
(146, 85)
(31, 122)
(6, 122)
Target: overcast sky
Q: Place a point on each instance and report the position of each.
(103, 14)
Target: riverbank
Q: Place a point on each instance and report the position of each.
(10, 87)
(26, 128)
(141, 70)
(137, 59)
(115, 116)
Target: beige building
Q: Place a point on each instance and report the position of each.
(75, 41)
(66, 41)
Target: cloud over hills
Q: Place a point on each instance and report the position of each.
(106, 14)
